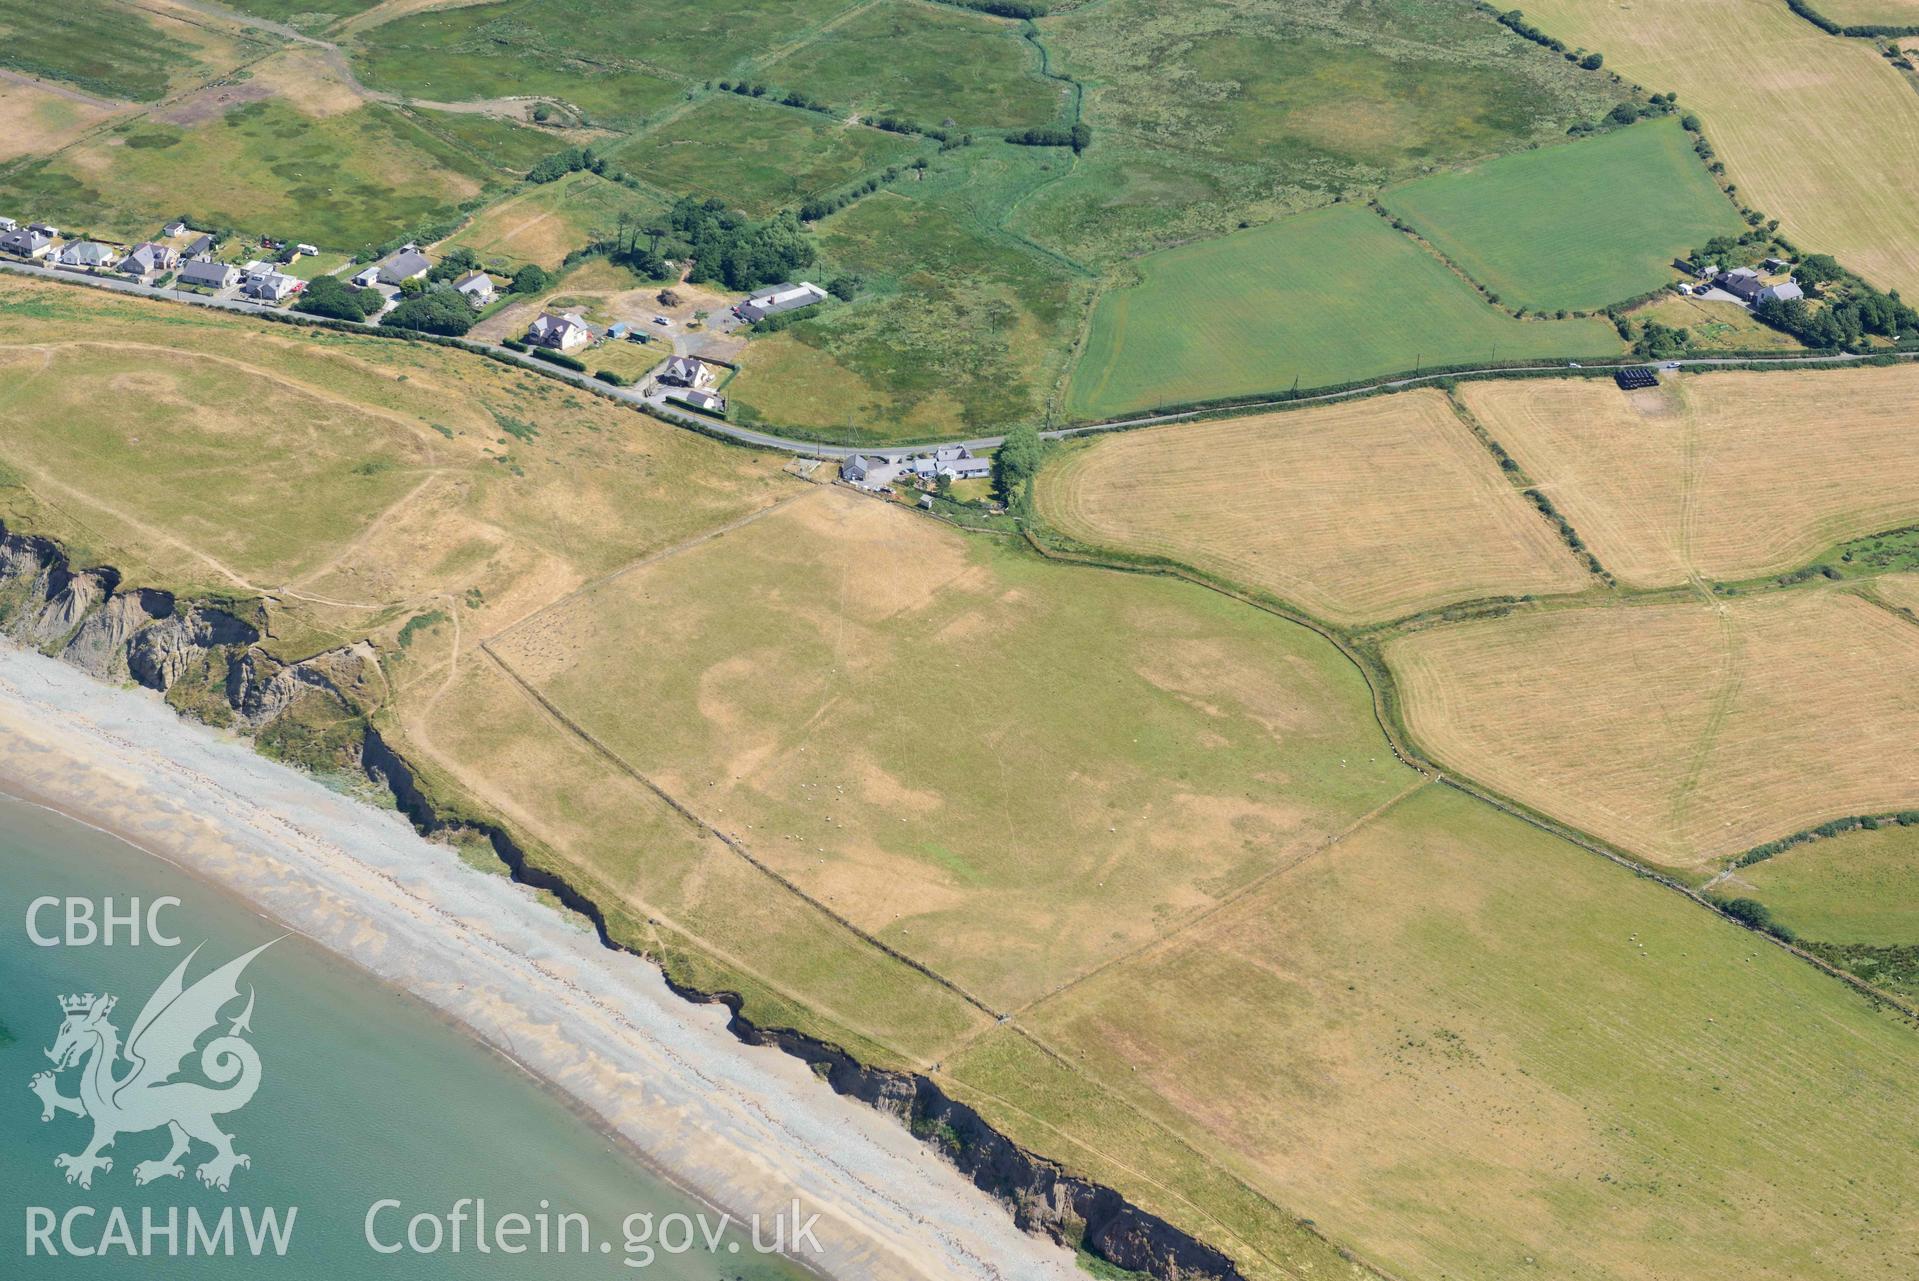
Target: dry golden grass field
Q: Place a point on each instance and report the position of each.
(925, 731)
(1357, 513)
(1819, 132)
(1251, 967)
(1683, 733)
(41, 118)
(1468, 1050)
(1720, 476)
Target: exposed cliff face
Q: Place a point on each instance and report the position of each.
(83, 617)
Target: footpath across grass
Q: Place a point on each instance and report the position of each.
(1324, 298)
(1574, 227)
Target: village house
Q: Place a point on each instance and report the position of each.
(200, 248)
(88, 253)
(28, 242)
(148, 258)
(558, 333)
(686, 371)
(781, 298)
(875, 471)
(262, 281)
(209, 275)
(476, 287)
(408, 264)
(1749, 287)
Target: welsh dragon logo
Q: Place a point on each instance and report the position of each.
(143, 1095)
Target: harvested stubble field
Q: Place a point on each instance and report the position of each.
(1576, 226)
(1819, 132)
(1684, 733)
(1722, 476)
(1468, 1049)
(1861, 887)
(1357, 513)
(1326, 297)
(1006, 768)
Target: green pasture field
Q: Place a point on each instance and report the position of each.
(1573, 227)
(1462, 1047)
(1325, 297)
(303, 15)
(927, 64)
(880, 707)
(513, 49)
(545, 222)
(340, 181)
(759, 156)
(961, 329)
(1212, 112)
(1861, 887)
(566, 47)
(96, 45)
(498, 144)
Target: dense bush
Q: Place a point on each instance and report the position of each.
(609, 377)
(1078, 137)
(331, 297)
(454, 263)
(531, 279)
(441, 311)
(1750, 911)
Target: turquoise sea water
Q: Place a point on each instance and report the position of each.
(365, 1096)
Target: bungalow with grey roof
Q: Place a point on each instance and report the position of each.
(560, 333)
(88, 253)
(209, 275)
(28, 242)
(200, 247)
(408, 264)
(476, 287)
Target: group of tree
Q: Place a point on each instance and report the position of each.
(1079, 137)
(723, 244)
(1661, 342)
(1028, 9)
(1015, 464)
(576, 160)
(791, 98)
(441, 310)
(1842, 322)
(333, 298)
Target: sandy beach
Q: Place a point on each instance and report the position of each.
(748, 1130)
